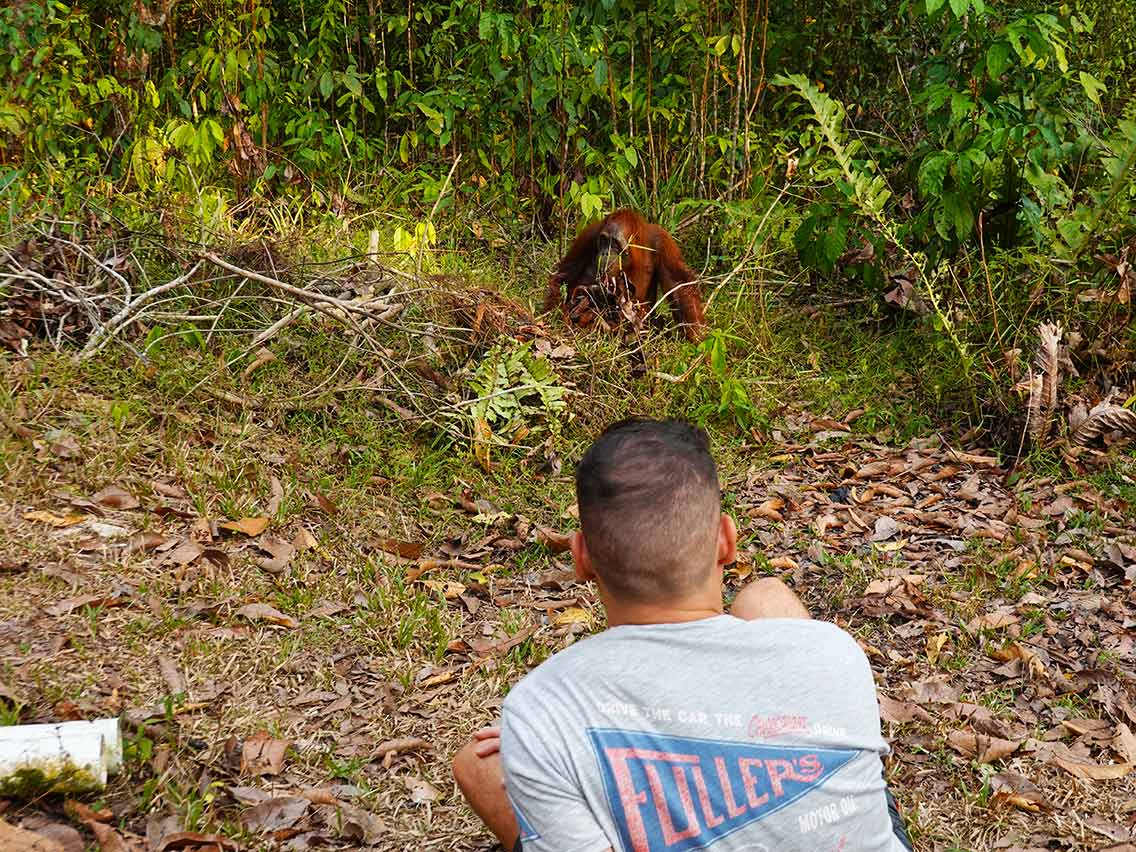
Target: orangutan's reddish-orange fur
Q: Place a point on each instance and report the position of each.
(624, 244)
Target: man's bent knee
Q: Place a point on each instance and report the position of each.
(768, 598)
(482, 782)
(465, 768)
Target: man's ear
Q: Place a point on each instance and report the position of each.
(727, 540)
(581, 559)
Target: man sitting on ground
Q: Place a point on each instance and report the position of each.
(679, 727)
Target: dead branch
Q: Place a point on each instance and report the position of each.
(362, 308)
(103, 335)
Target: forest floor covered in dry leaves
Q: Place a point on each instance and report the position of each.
(301, 616)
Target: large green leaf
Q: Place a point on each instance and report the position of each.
(997, 59)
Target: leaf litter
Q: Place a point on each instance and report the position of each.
(996, 611)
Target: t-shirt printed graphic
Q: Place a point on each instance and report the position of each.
(527, 832)
(679, 793)
(717, 734)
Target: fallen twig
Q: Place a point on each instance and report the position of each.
(104, 334)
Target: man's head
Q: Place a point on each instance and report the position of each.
(650, 514)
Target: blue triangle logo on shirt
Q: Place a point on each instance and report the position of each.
(527, 832)
(679, 793)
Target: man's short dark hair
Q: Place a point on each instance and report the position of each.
(647, 491)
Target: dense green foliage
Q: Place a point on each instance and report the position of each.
(968, 144)
(584, 103)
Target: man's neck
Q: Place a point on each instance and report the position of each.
(619, 612)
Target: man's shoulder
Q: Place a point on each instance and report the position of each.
(577, 661)
(815, 628)
(816, 639)
(809, 629)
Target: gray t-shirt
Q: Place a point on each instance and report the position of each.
(737, 735)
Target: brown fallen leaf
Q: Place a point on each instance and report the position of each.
(248, 795)
(500, 646)
(438, 679)
(313, 696)
(553, 541)
(1014, 789)
(970, 490)
(144, 542)
(17, 429)
(421, 790)
(884, 586)
(109, 839)
(171, 512)
(171, 675)
(71, 604)
(401, 745)
(218, 557)
(973, 459)
(783, 563)
(319, 796)
(1082, 767)
(770, 510)
(220, 634)
(471, 603)
(249, 526)
(825, 522)
(893, 594)
(1124, 743)
(113, 497)
(68, 838)
(195, 841)
(67, 447)
(877, 468)
(275, 814)
(405, 549)
(90, 544)
(983, 748)
(354, 824)
(304, 540)
(550, 605)
(185, 553)
(13, 839)
(326, 609)
(936, 690)
(276, 498)
(821, 423)
(263, 612)
(51, 519)
(1108, 828)
(993, 620)
(263, 356)
(448, 589)
(572, 615)
(1018, 651)
(898, 712)
(935, 647)
(169, 489)
(324, 503)
(428, 565)
(262, 754)
(1097, 729)
(281, 554)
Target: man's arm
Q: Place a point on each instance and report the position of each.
(481, 777)
(478, 771)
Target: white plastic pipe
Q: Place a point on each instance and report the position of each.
(63, 757)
